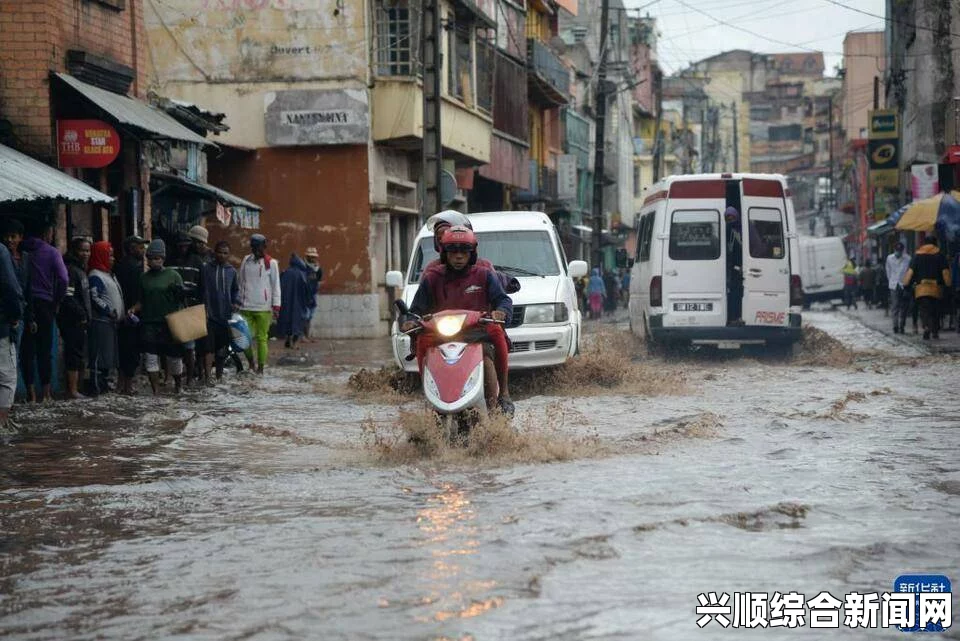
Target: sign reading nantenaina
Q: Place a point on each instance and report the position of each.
(324, 117)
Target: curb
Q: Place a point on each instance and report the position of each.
(916, 342)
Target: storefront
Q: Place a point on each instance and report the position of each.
(113, 143)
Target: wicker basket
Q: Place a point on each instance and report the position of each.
(188, 324)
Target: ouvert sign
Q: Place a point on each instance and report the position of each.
(317, 117)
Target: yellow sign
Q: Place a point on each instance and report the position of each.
(884, 123)
(886, 178)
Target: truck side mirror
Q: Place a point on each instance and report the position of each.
(394, 279)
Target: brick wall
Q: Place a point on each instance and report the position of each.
(34, 39)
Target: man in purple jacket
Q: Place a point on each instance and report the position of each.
(48, 284)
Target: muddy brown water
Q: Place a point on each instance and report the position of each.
(267, 509)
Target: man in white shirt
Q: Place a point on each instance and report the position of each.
(900, 300)
(259, 282)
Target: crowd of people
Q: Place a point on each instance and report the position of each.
(923, 287)
(112, 316)
(602, 293)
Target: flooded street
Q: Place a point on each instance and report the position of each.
(291, 507)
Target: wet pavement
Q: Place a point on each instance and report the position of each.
(266, 508)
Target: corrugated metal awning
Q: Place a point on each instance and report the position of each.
(24, 179)
(206, 189)
(134, 113)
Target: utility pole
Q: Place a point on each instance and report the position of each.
(736, 141)
(657, 124)
(599, 138)
(703, 139)
(432, 154)
(830, 143)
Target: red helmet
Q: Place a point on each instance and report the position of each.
(459, 238)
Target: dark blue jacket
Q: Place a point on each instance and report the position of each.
(221, 291)
(11, 296)
(297, 294)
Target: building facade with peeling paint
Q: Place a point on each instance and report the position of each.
(326, 122)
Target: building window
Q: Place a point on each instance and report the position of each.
(398, 40)
(486, 64)
(119, 5)
(460, 61)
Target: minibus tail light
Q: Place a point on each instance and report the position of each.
(796, 291)
(656, 292)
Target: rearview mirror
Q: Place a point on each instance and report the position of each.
(394, 279)
(577, 269)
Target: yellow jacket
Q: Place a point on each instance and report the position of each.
(929, 269)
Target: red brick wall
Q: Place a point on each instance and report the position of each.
(34, 39)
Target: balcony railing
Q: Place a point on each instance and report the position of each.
(552, 77)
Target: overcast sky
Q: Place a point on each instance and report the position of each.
(687, 35)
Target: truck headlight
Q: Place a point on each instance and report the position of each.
(546, 313)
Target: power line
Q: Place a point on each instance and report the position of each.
(890, 20)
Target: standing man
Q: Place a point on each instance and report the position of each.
(11, 311)
(48, 285)
(189, 261)
(128, 271)
(73, 317)
(161, 293)
(312, 257)
(896, 267)
(13, 238)
(929, 273)
(221, 295)
(734, 238)
(259, 280)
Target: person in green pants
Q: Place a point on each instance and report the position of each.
(259, 281)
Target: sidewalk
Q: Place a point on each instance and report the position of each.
(948, 343)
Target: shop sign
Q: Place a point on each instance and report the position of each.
(924, 181)
(567, 177)
(89, 144)
(317, 117)
(884, 123)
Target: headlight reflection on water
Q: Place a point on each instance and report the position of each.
(450, 533)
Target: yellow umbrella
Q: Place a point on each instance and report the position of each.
(922, 214)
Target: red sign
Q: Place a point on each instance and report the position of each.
(86, 143)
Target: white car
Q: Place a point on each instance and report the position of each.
(546, 324)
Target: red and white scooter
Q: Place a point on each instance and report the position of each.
(453, 367)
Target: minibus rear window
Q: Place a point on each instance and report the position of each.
(695, 234)
(766, 233)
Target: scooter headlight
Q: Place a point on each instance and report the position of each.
(451, 324)
(474, 378)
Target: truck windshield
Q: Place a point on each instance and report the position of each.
(519, 253)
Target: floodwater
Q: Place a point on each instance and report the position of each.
(264, 510)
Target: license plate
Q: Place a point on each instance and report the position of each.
(693, 307)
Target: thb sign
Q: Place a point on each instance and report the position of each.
(89, 144)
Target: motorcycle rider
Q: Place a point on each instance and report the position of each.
(445, 220)
(463, 284)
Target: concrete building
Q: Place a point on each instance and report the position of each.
(326, 121)
(923, 76)
(864, 59)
